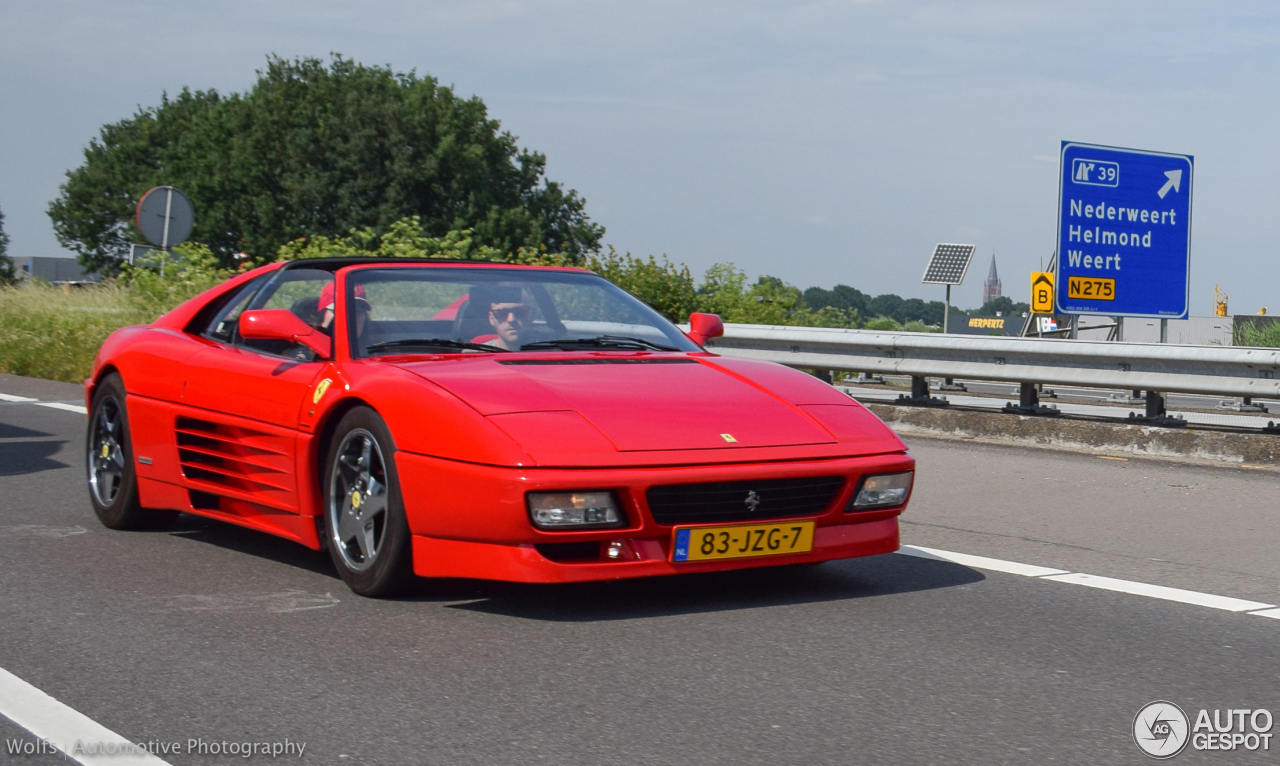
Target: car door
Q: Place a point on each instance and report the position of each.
(236, 431)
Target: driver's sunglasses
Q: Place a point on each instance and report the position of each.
(520, 313)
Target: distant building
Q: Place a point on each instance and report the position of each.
(59, 271)
(991, 288)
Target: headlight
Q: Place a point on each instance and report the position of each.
(883, 491)
(574, 510)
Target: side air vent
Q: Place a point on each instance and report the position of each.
(231, 457)
(203, 501)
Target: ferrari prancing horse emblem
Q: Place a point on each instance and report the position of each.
(320, 389)
(753, 500)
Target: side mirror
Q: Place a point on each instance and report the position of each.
(281, 324)
(703, 327)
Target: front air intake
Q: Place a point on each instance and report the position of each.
(754, 500)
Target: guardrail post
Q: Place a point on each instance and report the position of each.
(1246, 405)
(1155, 404)
(1029, 403)
(920, 394)
(1156, 414)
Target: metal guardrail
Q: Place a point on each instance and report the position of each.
(1151, 367)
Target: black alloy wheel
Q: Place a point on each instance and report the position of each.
(364, 522)
(113, 480)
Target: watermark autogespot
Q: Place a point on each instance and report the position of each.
(1162, 729)
(197, 746)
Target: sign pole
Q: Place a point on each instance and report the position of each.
(946, 314)
(164, 238)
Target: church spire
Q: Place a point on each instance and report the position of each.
(991, 289)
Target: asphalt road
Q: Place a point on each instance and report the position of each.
(209, 631)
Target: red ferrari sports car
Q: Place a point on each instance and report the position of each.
(465, 419)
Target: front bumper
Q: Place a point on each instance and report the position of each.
(471, 520)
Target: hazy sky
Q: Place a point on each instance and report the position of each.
(820, 142)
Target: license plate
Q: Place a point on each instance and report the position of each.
(742, 541)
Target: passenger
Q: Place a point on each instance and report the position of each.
(360, 307)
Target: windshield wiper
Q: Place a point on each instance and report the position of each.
(600, 341)
(431, 342)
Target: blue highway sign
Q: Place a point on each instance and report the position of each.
(1124, 232)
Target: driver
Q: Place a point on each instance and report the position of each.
(508, 315)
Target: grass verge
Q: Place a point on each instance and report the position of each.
(51, 333)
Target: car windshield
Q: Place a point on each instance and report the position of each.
(408, 310)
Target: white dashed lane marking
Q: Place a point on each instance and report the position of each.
(64, 728)
(63, 406)
(1094, 581)
(67, 406)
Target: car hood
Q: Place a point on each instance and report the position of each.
(648, 403)
(638, 403)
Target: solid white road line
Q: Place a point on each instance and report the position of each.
(66, 729)
(12, 398)
(980, 562)
(1160, 591)
(64, 406)
(1094, 581)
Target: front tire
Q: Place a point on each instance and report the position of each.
(113, 479)
(365, 527)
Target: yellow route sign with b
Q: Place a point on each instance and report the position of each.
(1042, 292)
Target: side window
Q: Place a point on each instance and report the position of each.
(308, 293)
(223, 326)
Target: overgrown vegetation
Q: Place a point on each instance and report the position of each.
(48, 332)
(52, 332)
(1260, 332)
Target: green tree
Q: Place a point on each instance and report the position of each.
(402, 239)
(320, 150)
(725, 290)
(886, 305)
(668, 288)
(840, 296)
(8, 274)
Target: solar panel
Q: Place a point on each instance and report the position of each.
(948, 264)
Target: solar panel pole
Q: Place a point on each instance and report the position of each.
(947, 266)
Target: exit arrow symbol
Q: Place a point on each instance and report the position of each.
(1174, 182)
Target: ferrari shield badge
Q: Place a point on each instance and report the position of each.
(320, 389)
(729, 438)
